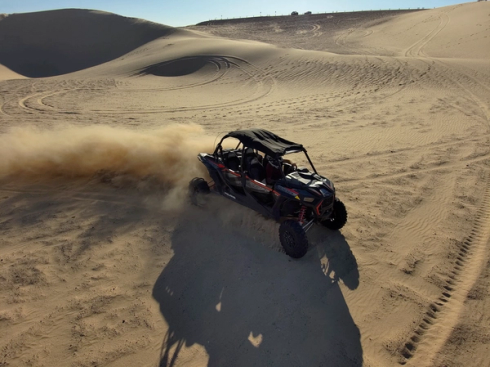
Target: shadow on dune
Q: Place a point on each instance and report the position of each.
(342, 264)
(57, 42)
(178, 67)
(249, 305)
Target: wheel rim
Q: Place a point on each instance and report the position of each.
(198, 198)
(334, 214)
(288, 240)
(194, 195)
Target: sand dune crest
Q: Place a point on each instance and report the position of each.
(62, 41)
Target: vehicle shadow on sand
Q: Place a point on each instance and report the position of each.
(250, 305)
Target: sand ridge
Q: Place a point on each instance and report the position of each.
(57, 42)
(104, 263)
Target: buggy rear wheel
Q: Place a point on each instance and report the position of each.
(339, 216)
(198, 187)
(293, 238)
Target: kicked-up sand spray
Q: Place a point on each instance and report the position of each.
(167, 154)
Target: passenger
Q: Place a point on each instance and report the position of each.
(274, 170)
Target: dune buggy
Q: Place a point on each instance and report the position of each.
(255, 174)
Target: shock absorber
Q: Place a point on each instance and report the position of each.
(302, 213)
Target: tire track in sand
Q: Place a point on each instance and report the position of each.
(37, 102)
(475, 83)
(434, 167)
(341, 39)
(443, 313)
(316, 30)
(9, 95)
(263, 86)
(460, 141)
(416, 50)
(222, 65)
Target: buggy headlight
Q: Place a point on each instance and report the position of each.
(325, 192)
(309, 199)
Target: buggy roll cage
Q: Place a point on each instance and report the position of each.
(218, 152)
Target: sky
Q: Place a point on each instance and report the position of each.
(179, 13)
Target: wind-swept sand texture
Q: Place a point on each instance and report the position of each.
(102, 261)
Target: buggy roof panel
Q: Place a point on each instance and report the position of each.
(265, 141)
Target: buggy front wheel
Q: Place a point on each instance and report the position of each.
(338, 218)
(293, 238)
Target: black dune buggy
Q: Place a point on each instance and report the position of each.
(248, 174)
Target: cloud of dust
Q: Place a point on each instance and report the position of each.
(167, 154)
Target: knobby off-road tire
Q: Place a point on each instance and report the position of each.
(339, 216)
(293, 238)
(198, 187)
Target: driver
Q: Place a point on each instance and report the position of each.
(273, 169)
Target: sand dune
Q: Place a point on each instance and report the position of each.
(104, 263)
(6, 73)
(454, 31)
(58, 42)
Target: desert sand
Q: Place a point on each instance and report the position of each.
(103, 262)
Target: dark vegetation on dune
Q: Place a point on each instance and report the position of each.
(57, 42)
(344, 17)
(297, 31)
